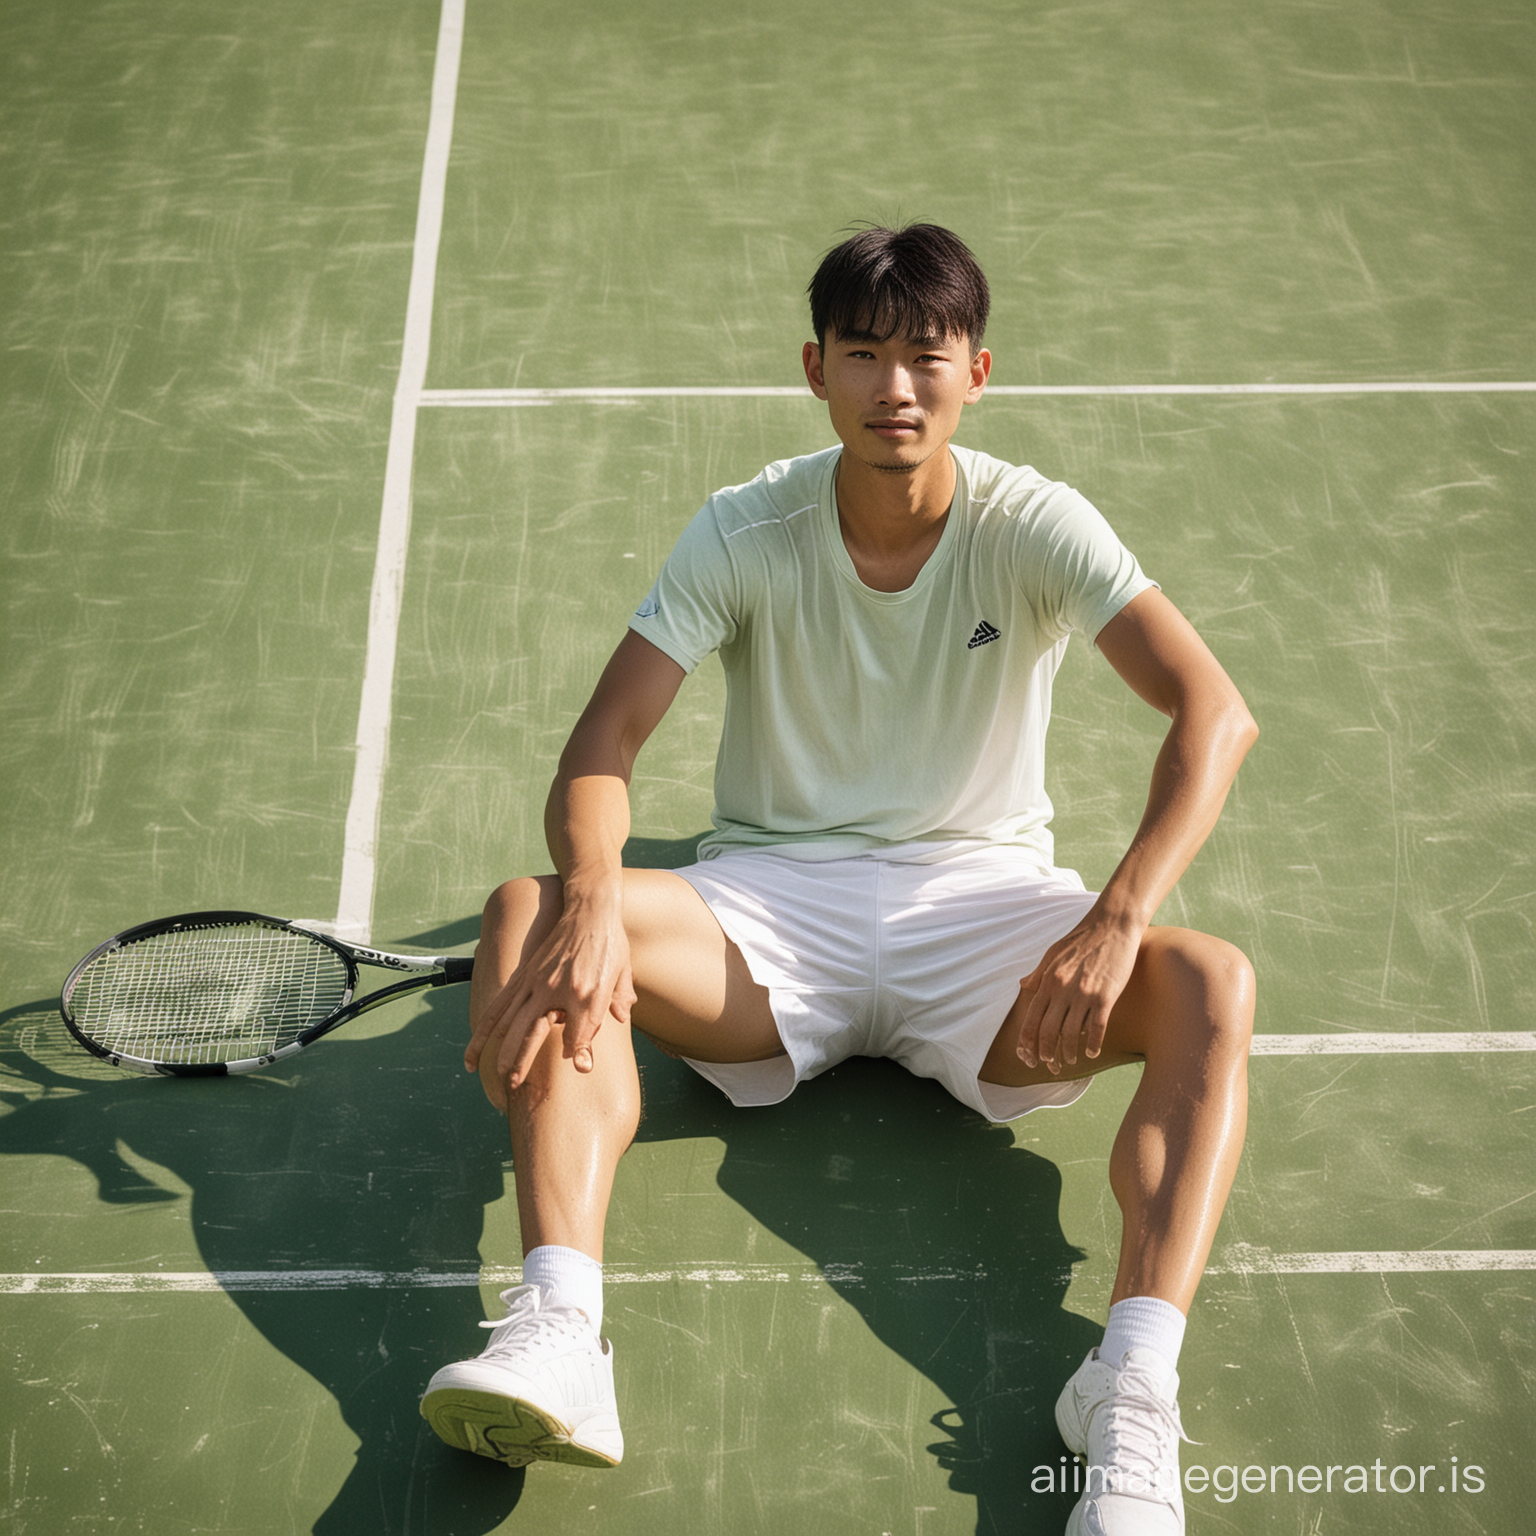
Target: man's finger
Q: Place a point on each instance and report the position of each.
(1092, 1034)
(533, 1038)
(580, 1035)
(1077, 1029)
(1028, 1047)
(1098, 1029)
(624, 996)
(478, 1036)
(491, 1021)
(1052, 1027)
(1051, 1011)
(502, 1007)
(1071, 1034)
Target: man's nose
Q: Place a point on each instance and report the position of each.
(896, 387)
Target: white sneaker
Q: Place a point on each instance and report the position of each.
(1125, 1423)
(542, 1390)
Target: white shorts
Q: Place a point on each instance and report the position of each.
(875, 957)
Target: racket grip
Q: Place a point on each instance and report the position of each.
(457, 968)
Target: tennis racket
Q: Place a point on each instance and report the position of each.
(210, 993)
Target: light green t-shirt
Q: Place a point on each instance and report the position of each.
(900, 724)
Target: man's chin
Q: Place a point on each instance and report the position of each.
(903, 466)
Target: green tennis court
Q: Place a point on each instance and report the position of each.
(360, 365)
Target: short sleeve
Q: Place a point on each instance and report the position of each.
(1077, 572)
(691, 610)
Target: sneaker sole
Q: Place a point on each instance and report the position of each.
(505, 1429)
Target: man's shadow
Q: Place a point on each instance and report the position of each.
(942, 1233)
(362, 1154)
(378, 1154)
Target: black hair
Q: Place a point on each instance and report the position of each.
(919, 281)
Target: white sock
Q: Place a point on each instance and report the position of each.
(569, 1277)
(1143, 1322)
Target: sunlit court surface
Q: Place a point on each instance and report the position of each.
(360, 365)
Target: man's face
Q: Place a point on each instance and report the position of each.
(894, 404)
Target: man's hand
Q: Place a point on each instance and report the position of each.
(576, 979)
(1073, 990)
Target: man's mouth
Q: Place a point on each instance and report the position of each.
(893, 428)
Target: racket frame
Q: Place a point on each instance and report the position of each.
(427, 971)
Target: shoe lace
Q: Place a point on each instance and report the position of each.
(1140, 1430)
(530, 1323)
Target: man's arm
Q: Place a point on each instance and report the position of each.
(1075, 986)
(580, 973)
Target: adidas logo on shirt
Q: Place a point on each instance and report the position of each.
(985, 635)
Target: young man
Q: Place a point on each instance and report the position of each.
(880, 881)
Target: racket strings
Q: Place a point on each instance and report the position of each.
(198, 996)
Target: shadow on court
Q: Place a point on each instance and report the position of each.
(939, 1231)
(369, 1154)
(379, 1154)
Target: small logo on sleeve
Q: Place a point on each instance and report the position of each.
(985, 635)
(649, 608)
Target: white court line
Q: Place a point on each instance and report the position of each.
(514, 397)
(1238, 1259)
(1244, 1259)
(354, 912)
(1389, 1044)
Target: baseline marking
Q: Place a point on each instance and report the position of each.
(1244, 1259)
(354, 912)
(1389, 1044)
(492, 398)
(1238, 1259)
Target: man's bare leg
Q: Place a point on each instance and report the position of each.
(543, 1386)
(1176, 1154)
(1188, 1013)
(569, 1129)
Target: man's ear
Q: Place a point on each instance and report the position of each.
(810, 360)
(981, 371)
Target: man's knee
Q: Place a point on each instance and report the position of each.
(517, 915)
(1212, 987)
(517, 903)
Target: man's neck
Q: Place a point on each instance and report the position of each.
(891, 522)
